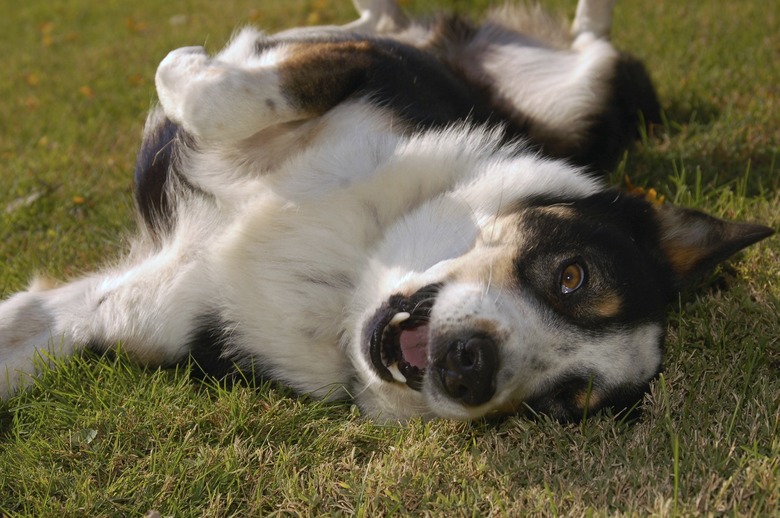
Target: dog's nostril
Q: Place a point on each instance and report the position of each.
(467, 358)
(467, 370)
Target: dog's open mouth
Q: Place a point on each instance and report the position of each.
(399, 336)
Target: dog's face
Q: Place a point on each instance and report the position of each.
(557, 307)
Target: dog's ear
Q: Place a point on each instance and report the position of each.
(694, 242)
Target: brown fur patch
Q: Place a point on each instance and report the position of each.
(607, 305)
(318, 76)
(588, 398)
(492, 260)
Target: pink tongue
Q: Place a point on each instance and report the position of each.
(414, 346)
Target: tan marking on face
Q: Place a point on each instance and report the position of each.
(607, 305)
(589, 398)
(492, 260)
(487, 267)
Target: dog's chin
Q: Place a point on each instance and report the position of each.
(398, 338)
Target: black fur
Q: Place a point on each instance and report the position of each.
(427, 89)
(565, 403)
(424, 88)
(152, 169)
(598, 232)
(209, 345)
(411, 83)
(633, 104)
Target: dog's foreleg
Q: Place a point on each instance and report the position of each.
(150, 309)
(217, 100)
(250, 87)
(593, 18)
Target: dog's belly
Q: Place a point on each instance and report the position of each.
(285, 279)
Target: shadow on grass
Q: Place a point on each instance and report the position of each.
(6, 420)
(688, 145)
(691, 109)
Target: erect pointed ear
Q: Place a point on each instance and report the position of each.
(694, 242)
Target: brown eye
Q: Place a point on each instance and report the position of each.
(572, 278)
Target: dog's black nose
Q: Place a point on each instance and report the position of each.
(467, 369)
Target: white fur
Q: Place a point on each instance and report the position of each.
(217, 100)
(560, 87)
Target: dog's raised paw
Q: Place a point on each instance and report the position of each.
(217, 100)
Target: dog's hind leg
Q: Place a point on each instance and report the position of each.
(151, 308)
(378, 16)
(593, 17)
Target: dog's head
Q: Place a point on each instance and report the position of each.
(553, 305)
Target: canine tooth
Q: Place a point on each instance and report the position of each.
(399, 317)
(397, 376)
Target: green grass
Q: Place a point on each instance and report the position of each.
(102, 437)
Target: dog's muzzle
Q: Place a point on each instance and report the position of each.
(401, 350)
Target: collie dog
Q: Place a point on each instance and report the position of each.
(405, 213)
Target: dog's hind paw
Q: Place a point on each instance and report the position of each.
(378, 16)
(593, 17)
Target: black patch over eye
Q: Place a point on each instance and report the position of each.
(572, 278)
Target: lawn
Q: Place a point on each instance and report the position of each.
(102, 437)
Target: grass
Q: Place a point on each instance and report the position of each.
(102, 437)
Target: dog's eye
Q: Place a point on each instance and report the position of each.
(572, 278)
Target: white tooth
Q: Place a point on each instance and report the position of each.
(397, 376)
(399, 317)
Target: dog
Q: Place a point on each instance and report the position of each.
(404, 213)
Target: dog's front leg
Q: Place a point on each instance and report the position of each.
(38, 325)
(256, 84)
(150, 308)
(216, 100)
